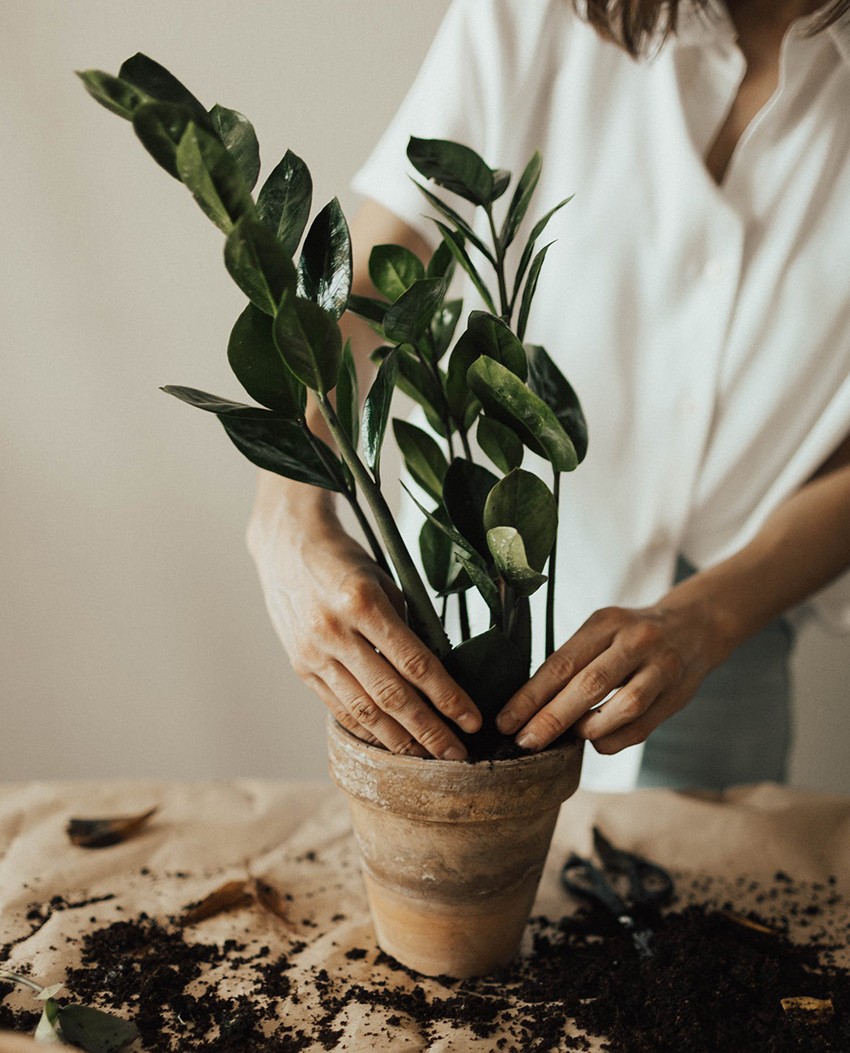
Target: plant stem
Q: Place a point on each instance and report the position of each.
(17, 978)
(463, 610)
(350, 495)
(550, 585)
(500, 268)
(423, 611)
(466, 447)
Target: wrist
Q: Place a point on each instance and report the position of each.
(289, 509)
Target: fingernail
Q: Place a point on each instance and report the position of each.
(453, 753)
(528, 741)
(507, 723)
(469, 722)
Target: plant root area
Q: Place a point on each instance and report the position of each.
(722, 963)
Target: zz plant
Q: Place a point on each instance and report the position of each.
(483, 391)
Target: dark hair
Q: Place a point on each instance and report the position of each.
(636, 24)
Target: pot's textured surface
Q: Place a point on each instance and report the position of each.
(451, 852)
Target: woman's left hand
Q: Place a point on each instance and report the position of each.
(653, 658)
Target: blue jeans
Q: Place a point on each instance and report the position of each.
(737, 728)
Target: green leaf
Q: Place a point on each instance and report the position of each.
(324, 270)
(417, 381)
(372, 310)
(284, 201)
(160, 84)
(348, 397)
(521, 200)
(258, 264)
(117, 95)
(376, 412)
(443, 326)
(455, 244)
(441, 264)
(508, 552)
(443, 569)
(281, 446)
(493, 337)
(454, 167)
(213, 404)
(159, 127)
(530, 289)
(240, 140)
(423, 457)
(528, 251)
(466, 487)
(309, 341)
(255, 360)
(490, 668)
(501, 181)
(500, 443)
(506, 398)
(211, 174)
(94, 1030)
(525, 503)
(457, 221)
(393, 269)
(547, 381)
(47, 1029)
(410, 316)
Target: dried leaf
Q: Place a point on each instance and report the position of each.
(100, 833)
(231, 895)
(271, 900)
(809, 1010)
(748, 923)
(49, 992)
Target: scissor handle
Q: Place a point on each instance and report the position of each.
(593, 885)
(650, 884)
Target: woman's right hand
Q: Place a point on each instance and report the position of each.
(341, 620)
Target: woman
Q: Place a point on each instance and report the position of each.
(697, 299)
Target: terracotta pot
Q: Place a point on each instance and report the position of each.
(451, 852)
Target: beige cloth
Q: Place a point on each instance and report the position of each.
(214, 832)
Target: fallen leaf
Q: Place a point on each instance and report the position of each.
(231, 895)
(94, 1030)
(809, 1010)
(100, 833)
(271, 900)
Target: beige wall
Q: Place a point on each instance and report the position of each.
(133, 640)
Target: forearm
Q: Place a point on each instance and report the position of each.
(803, 546)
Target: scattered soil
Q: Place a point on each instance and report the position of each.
(712, 985)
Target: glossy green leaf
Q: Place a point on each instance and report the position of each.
(417, 381)
(376, 412)
(547, 381)
(211, 174)
(283, 203)
(501, 182)
(46, 1031)
(500, 443)
(240, 140)
(161, 84)
(117, 95)
(530, 289)
(453, 166)
(410, 316)
(528, 251)
(508, 552)
(324, 270)
(255, 360)
(524, 502)
(493, 337)
(309, 341)
(443, 326)
(505, 397)
(213, 403)
(443, 569)
(423, 457)
(457, 221)
(393, 269)
(490, 668)
(441, 264)
(159, 127)
(258, 264)
(95, 1030)
(370, 309)
(521, 200)
(348, 397)
(466, 487)
(456, 247)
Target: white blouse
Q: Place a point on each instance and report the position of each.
(706, 329)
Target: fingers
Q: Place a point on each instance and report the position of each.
(626, 706)
(639, 730)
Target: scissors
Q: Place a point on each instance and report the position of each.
(650, 886)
